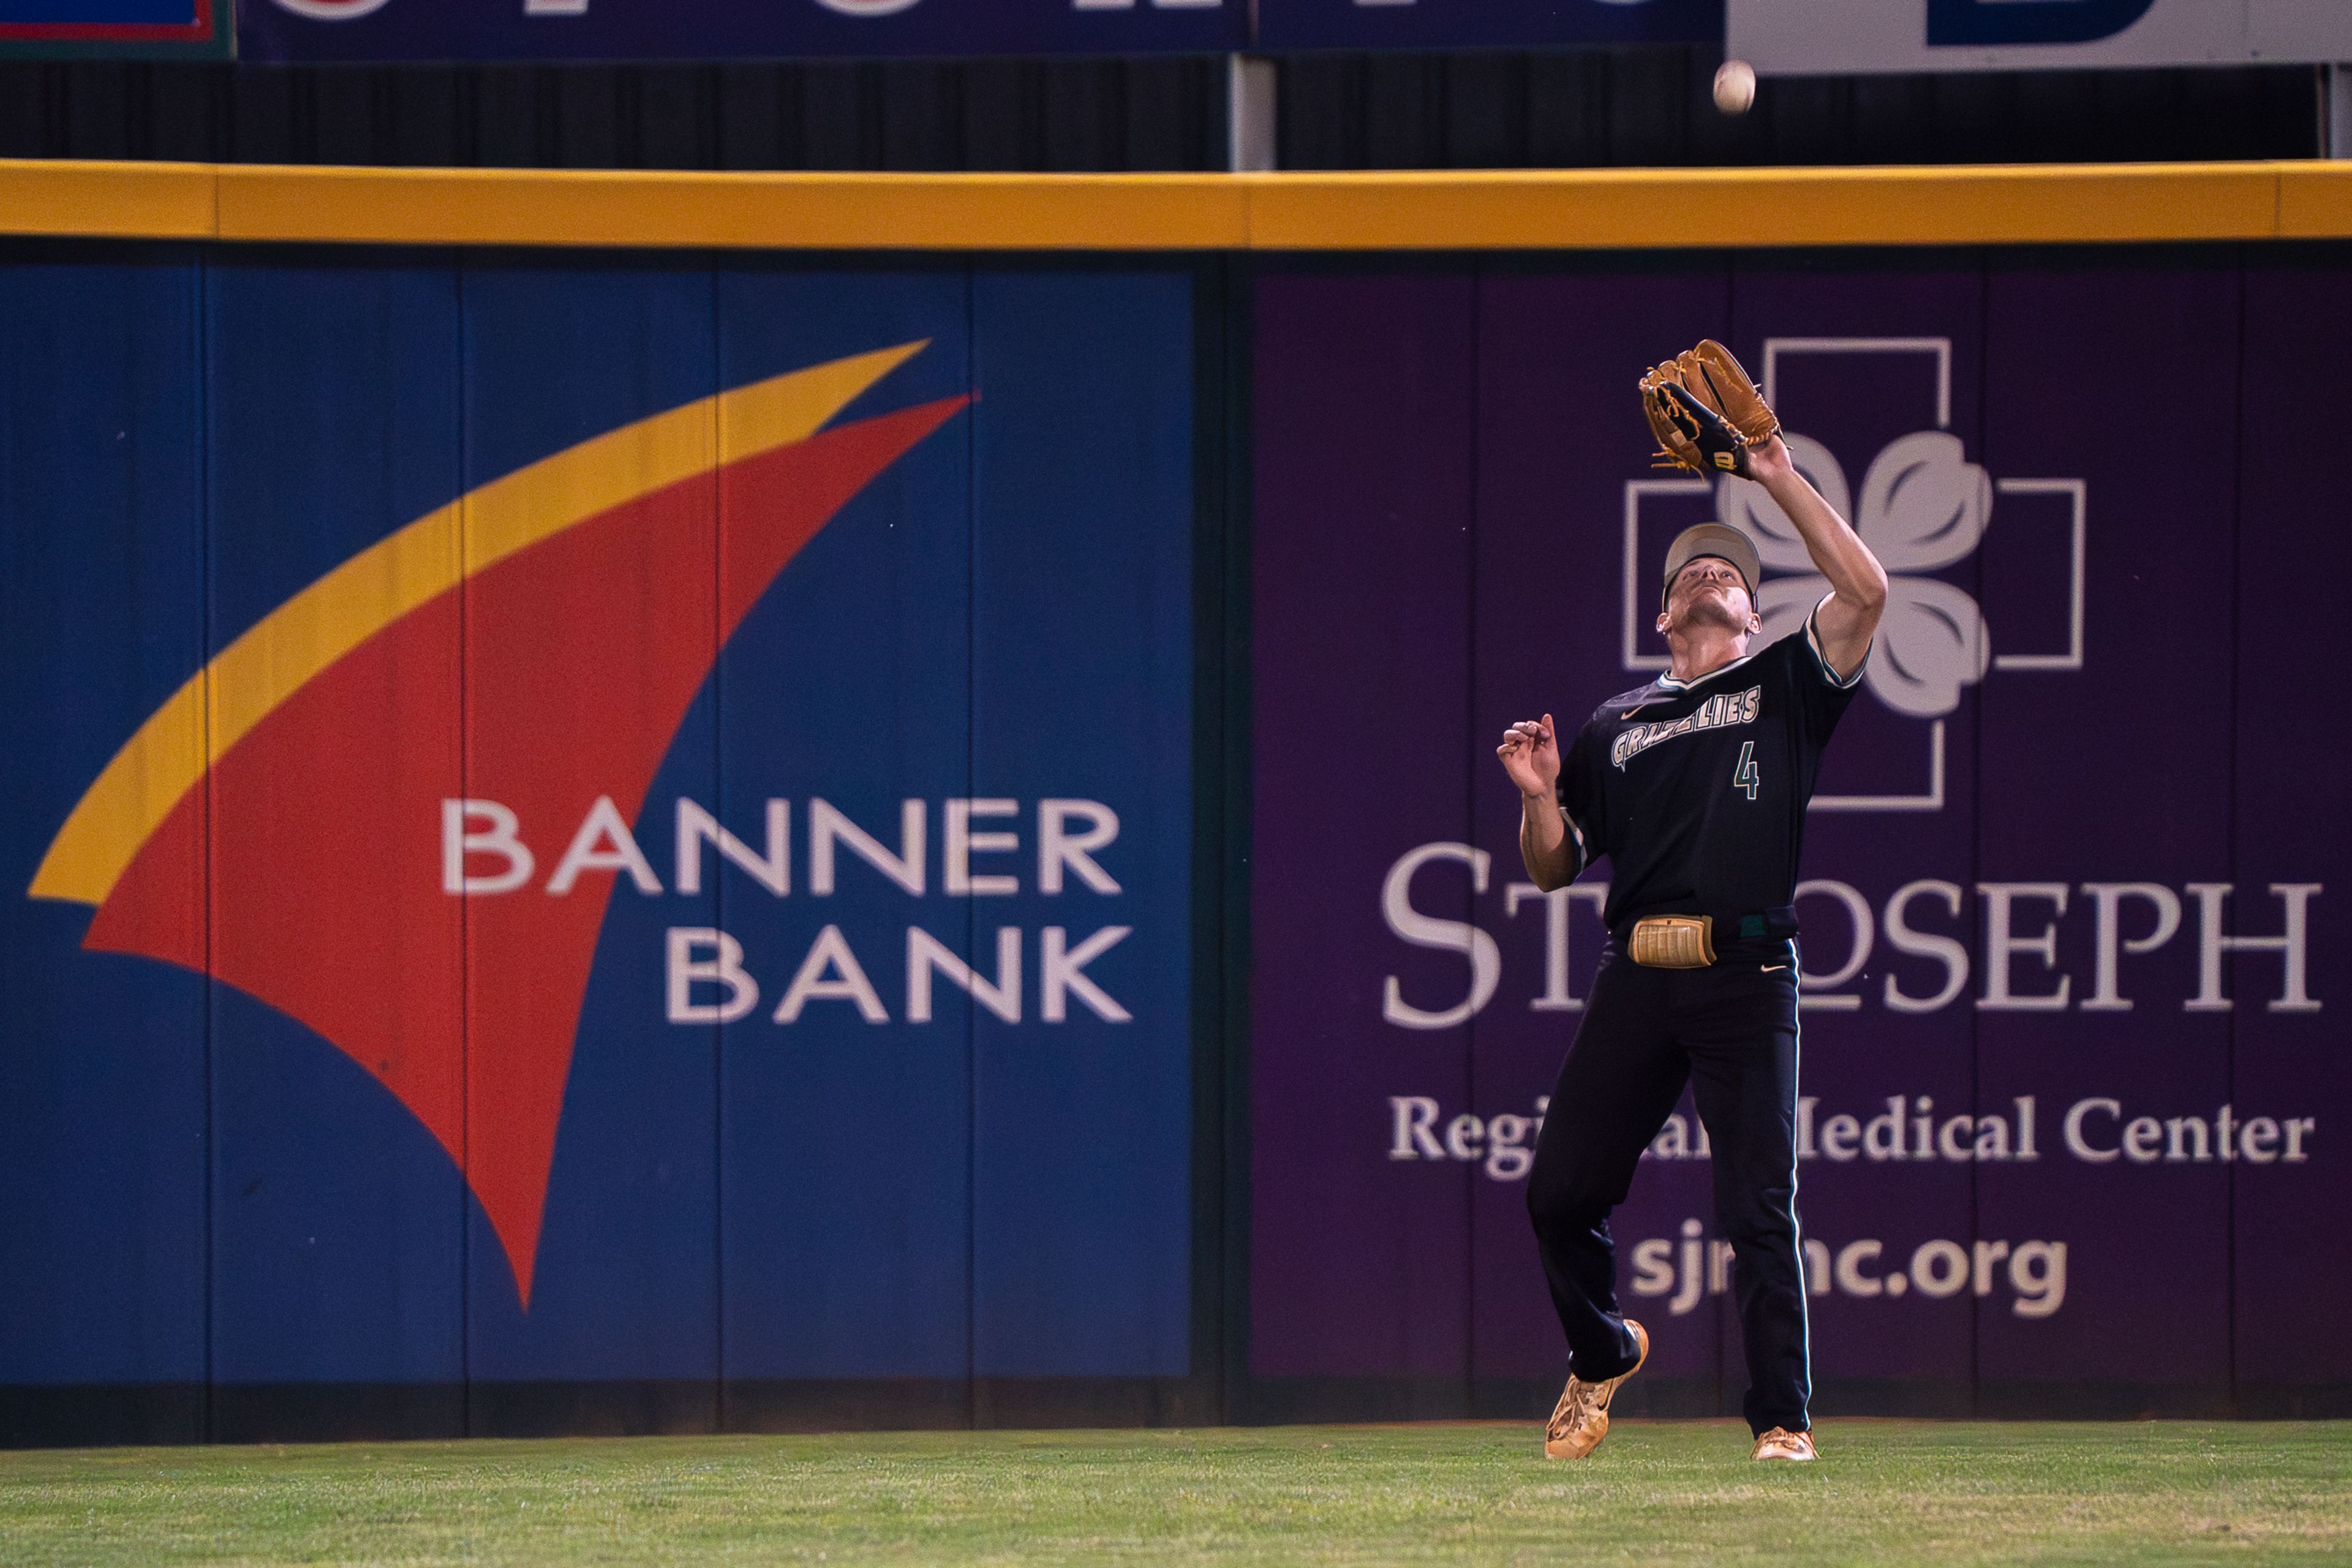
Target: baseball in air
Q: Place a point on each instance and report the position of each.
(1735, 87)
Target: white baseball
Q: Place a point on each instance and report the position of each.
(1735, 87)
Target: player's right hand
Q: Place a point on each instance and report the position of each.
(1530, 753)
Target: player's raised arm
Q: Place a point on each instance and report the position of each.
(1710, 418)
(1849, 618)
(1530, 753)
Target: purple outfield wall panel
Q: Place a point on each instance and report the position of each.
(2028, 1069)
(2292, 1255)
(2119, 773)
(1364, 661)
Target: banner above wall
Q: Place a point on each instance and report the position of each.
(1482, 24)
(1794, 38)
(715, 29)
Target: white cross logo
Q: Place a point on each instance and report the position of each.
(1923, 507)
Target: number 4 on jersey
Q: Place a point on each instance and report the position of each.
(1745, 775)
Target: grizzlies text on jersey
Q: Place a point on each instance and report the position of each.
(1696, 790)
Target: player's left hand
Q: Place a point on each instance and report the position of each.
(1530, 754)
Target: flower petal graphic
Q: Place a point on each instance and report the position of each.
(1745, 505)
(1784, 602)
(1924, 504)
(1932, 641)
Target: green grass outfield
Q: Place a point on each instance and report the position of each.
(1655, 1493)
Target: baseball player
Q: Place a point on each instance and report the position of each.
(1694, 787)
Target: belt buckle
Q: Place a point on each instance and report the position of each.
(1673, 941)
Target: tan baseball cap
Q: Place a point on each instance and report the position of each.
(1714, 539)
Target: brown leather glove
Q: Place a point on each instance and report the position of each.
(1705, 413)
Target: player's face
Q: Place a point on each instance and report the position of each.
(1708, 591)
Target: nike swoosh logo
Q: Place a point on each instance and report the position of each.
(1770, 967)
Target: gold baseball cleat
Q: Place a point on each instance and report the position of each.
(1782, 1443)
(1581, 1419)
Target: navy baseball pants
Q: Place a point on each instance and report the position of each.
(1730, 1031)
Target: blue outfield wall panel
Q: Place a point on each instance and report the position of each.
(512, 564)
(558, 353)
(102, 1092)
(338, 1220)
(845, 1143)
(560, 349)
(333, 386)
(1082, 512)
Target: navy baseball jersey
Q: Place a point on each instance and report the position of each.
(1695, 790)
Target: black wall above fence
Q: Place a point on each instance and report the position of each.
(1597, 108)
(1633, 108)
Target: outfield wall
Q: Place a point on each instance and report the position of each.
(2064, 1131)
(728, 834)
(686, 815)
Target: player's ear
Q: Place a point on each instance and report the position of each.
(1662, 620)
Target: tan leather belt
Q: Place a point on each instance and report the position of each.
(1673, 941)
